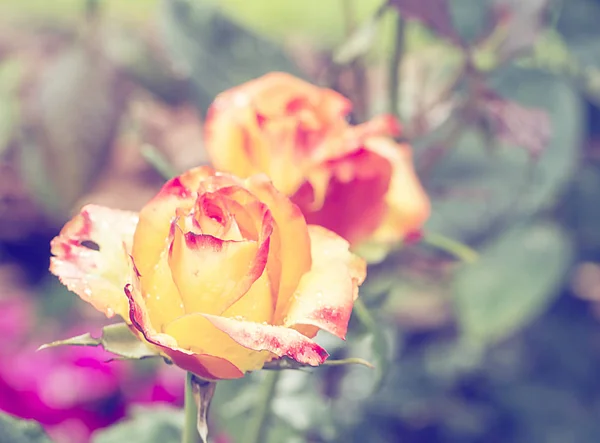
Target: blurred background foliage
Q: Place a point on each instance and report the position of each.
(499, 99)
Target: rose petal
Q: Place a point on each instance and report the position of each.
(196, 334)
(162, 298)
(355, 196)
(151, 235)
(256, 304)
(206, 366)
(97, 276)
(277, 340)
(212, 274)
(289, 257)
(408, 203)
(326, 294)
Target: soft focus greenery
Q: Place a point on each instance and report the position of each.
(499, 100)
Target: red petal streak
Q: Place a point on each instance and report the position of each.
(278, 340)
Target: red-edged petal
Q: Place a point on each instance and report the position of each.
(205, 366)
(212, 274)
(91, 257)
(152, 233)
(326, 294)
(277, 340)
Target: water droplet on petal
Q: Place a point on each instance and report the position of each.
(109, 312)
(87, 292)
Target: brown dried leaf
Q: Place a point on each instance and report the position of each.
(516, 124)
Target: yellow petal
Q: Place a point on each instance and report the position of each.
(151, 235)
(289, 256)
(206, 366)
(97, 276)
(326, 294)
(212, 274)
(195, 333)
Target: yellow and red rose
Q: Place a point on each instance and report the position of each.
(221, 274)
(354, 180)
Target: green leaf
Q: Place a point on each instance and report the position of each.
(117, 339)
(147, 425)
(516, 277)
(13, 430)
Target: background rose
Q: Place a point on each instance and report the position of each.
(221, 274)
(350, 179)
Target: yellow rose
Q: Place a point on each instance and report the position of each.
(354, 180)
(221, 274)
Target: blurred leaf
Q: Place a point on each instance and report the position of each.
(472, 19)
(578, 25)
(360, 42)
(515, 124)
(434, 14)
(13, 430)
(74, 114)
(216, 53)
(147, 425)
(116, 338)
(478, 189)
(515, 278)
(379, 345)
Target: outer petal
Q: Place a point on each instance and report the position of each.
(213, 274)
(206, 366)
(196, 334)
(408, 203)
(355, 197)
(275, 339)
(151, 235)
(326, 294)
(97, 276)
(289, 256)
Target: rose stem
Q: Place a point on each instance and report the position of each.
(190, 430)
(257, 428)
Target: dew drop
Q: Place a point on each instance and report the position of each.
(87, 292)
(109, 312)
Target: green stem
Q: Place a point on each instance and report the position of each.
(158, 161)
(453, 247)
(190, 429)
(395, 64)
(257, 429)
